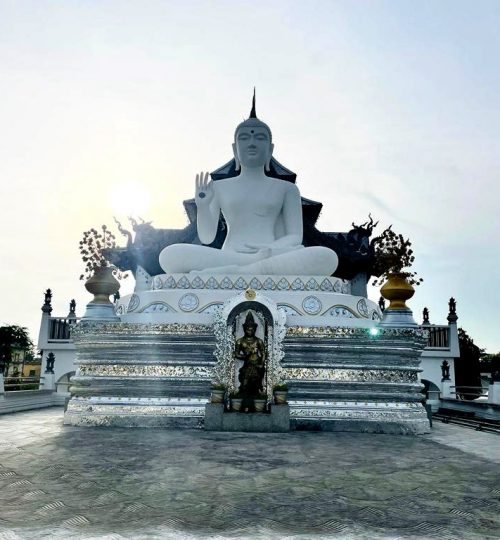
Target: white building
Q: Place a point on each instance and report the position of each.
(54, 339)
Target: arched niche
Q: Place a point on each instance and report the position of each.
(228, 323)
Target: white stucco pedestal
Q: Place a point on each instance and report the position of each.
(48, 381)
(494, 393)
(447, 390)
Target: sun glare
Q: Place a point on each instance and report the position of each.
(129, 199)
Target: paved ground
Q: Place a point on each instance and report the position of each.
(67, 483)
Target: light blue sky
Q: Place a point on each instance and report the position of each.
(384, 107)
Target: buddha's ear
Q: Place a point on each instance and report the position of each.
(236, 159)
(269, 157)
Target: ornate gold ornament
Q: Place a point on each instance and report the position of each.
(250, 294)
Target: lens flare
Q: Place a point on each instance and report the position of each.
(130, 199)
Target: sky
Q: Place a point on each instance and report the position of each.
(389, 107)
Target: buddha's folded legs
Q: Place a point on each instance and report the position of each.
(184, 258)
(315, 261)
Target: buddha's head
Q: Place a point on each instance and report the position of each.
(249, 326)
(253, 147)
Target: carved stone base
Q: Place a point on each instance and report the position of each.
(276, 421)
(100, 312)
(391, 418)
(344, 379)
(145, 412)
(398, 318)
(339, 379)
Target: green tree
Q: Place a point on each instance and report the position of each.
(490, 363)
(13, 337)
(467, 368)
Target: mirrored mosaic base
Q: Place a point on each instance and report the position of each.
(340, 379)
(195, 298)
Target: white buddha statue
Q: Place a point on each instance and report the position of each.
(263, 217)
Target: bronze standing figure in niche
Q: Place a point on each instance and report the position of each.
(251, 350)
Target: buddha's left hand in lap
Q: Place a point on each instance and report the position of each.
(269, 250)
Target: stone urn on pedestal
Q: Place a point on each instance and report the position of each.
(102, 284)
(100, 274)
(397, 290)
(393, 261)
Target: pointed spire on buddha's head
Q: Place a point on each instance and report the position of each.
(253, 121)
(253, 114)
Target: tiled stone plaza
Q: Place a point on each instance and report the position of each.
(66, 482)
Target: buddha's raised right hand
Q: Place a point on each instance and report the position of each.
(204, 190)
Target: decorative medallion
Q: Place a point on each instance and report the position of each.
(269, 284)
(312, 285)
(169, 283)
(197, 283)
(283, 284)
(363, 308)
(312, 305)
(297, 285)
(188, 302)
(375, 316)
(326, 285)
(226, 283)
(133, 303)
(250, 294)
(120, 310)
(255, 284)
(211, 283)
(157, 283)
(240, 284)
(337, 287)
(345, 288)
(183, 283)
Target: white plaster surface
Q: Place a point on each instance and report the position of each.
(303, 308)
(494, 393)
(431, 365)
